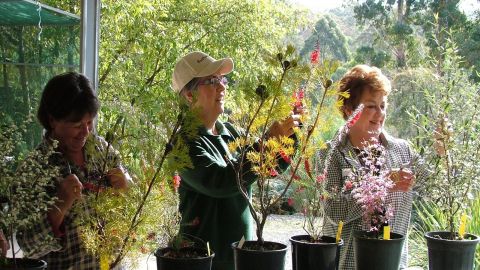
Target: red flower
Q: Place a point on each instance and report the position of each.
(298, 97)
(273, 172)
(348, 185)
(285, 157)
(290, 201)
(315, 56)
(176, 182)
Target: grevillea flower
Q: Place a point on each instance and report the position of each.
(176, 182)
(354, 119)
(285, 157)
(298, 97)
(315, 56)
(273, 172)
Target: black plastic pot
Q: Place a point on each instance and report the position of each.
(22, 264)
(307, 255)
(267, 259)
(377, 254)
(450, 254)
(203, 262)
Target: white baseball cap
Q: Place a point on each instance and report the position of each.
(196, 65)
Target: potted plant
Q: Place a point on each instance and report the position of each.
(180, 251)
(21, 187)
(450, 144)
(314, 250)
(273, 103)
(144, 218)
(369, 188)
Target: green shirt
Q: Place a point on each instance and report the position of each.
(210, 202)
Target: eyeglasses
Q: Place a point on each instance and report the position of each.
(214, 81)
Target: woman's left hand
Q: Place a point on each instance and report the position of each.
(404, 179)
(285, 127)
(118, 179)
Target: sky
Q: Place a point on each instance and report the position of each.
(468, 6)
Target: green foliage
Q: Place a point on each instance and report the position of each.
(23, 199)
(447, 136)
(369, 56)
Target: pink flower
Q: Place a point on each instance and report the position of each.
(321, 178)
(290, 201)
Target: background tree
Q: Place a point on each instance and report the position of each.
(329, 38)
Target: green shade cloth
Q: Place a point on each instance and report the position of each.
(26, 12)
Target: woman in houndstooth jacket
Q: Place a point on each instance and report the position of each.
(368, 86)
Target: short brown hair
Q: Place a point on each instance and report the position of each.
(356, 81)
(68, 96)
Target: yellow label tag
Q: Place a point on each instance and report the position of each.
(463, 224)
(104, 264)
(386, 232)
(208, 249)
(339, 231)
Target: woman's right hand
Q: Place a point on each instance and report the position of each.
(69, 190)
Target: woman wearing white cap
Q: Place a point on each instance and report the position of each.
(212, 207)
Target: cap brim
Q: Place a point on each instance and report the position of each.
(220, 67)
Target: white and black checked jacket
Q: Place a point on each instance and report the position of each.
(67, 251)
(344, 208)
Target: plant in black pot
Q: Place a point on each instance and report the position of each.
(22, 200)
(448, 134)
(370, 185)
(179, 250)
(267, 157)
(314, 250)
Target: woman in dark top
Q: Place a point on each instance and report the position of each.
(211, 205)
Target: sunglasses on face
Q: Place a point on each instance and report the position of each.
(214, 81)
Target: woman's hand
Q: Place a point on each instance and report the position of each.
(4, 247)
(118, 178)
(285, 127)
(403, 179)
(69, 190)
